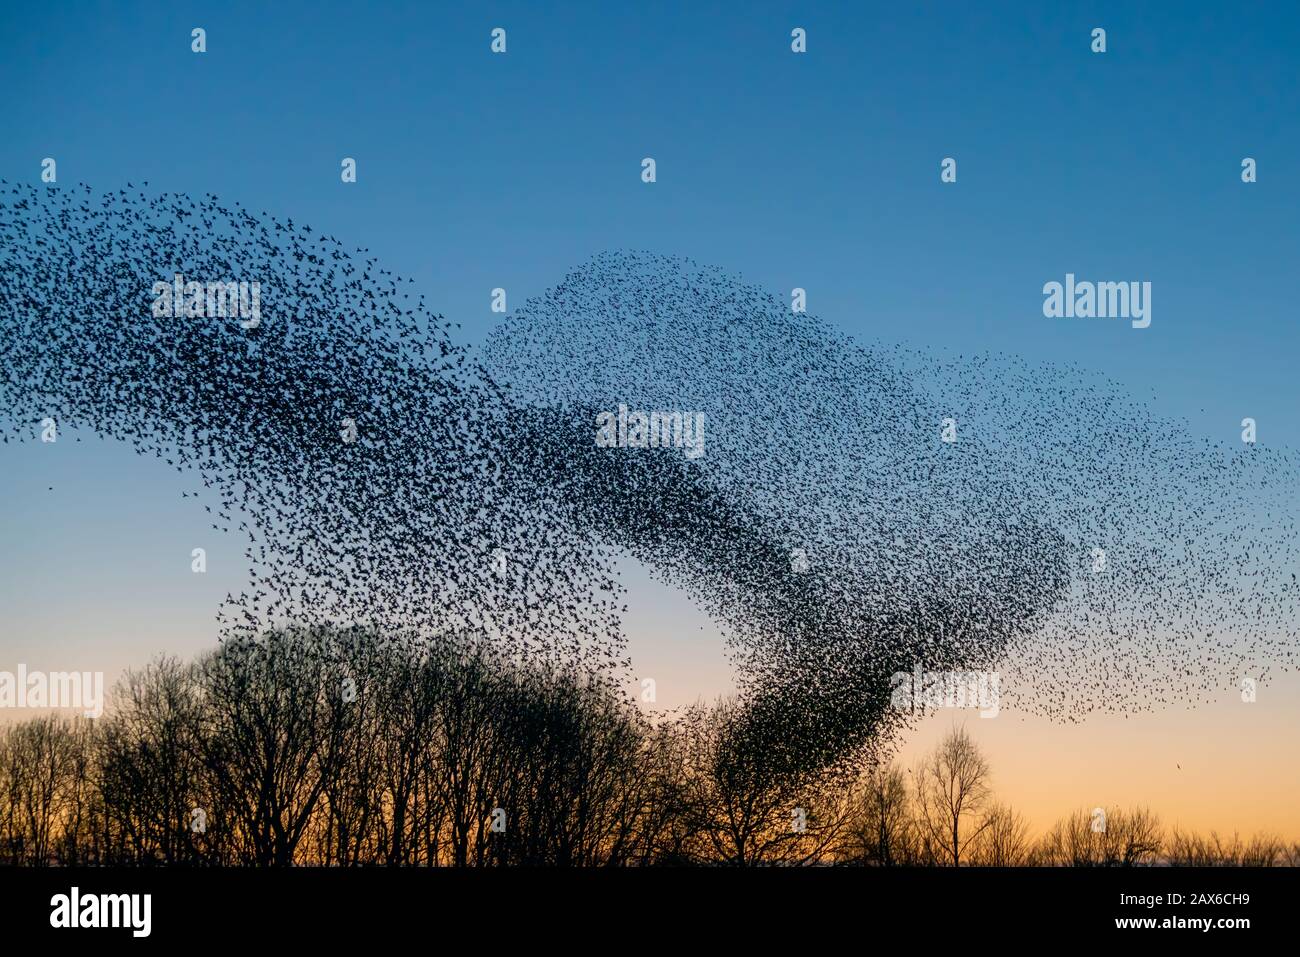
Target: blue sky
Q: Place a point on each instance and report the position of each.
(818, 170)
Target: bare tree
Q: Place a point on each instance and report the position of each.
(1194, 850)
(577, 793)
(952, 791)
(1138, 839)
(882, 830)
(46, 764)
(751, 802)
(347, 829)
(1004, 839)
(272, 745)
(343, 746)
(470, 751)
(1104, 837)
(411, 824)
(150, 764)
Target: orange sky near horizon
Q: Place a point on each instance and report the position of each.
(1226, 766)
(98, 578)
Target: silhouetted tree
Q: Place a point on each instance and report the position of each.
(47, 806)
(749, 802)
(1003, 841)
(1112, 838)
(952, 792)
(350, 746)
(274, 737)
(881, 829)
(151, 765)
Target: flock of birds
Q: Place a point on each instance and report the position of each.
(1095, 555)
(346, 435)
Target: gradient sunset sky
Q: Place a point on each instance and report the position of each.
(819, 171)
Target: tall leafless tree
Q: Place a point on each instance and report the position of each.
(952, 793)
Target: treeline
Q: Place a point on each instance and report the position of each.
(341, 748)
(944, 814)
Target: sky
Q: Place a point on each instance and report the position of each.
(818, 170)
